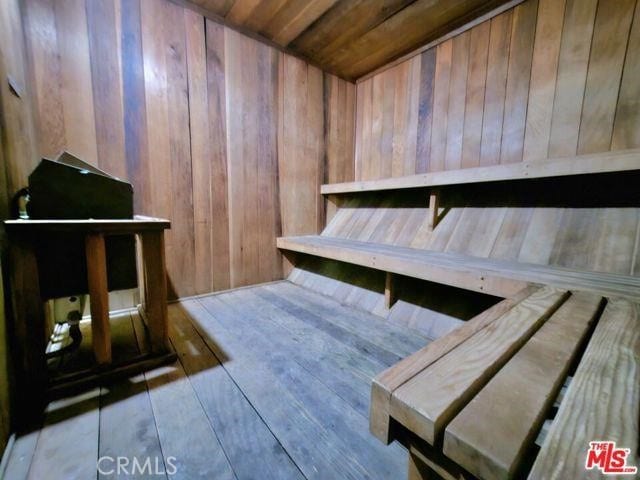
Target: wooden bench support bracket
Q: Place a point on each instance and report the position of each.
(389, 297)
(434, 206)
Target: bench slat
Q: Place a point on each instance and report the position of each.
(493, 276)
(427, 402)
(386, 382)
(512, 406)
(603, 400)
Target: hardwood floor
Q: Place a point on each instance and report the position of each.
(272, 381)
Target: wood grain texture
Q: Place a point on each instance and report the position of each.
(141, 89)
(428, 402)
(608, 48)
(494, 98)
(544, 70)
(98, 291)
(524, 89)
(75, 76)
(349, 39)
(606, 389)
(42, 44)
(19, 155)
(476, 84)
(532, 73)
(625, 131)
(573, 63)
(217, 140)
(201, 150)
(301, 158)
(385, 383)
(531, 380)
(103, 26)
(518, 76)
(252, 112)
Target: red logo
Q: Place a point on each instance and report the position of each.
(609, 459)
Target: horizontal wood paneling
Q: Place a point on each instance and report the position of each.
(225, 136)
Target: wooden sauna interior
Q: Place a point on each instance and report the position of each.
(416, 220)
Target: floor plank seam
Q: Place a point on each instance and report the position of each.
(220, 361)
(202, 406)
(319, 379)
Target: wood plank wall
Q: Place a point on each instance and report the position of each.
(225, 136)
(547, 78)
(17, 158)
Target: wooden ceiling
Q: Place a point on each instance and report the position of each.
(349, 37)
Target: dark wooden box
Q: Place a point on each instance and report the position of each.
(69, 188)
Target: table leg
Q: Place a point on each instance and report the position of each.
(99, 297)
(28, 325)
(155, 289)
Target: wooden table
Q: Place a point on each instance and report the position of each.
(28, 305)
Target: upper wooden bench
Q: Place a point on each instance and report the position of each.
(607, 162)
(496, 277)
(482, 417)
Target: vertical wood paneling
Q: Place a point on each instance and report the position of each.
(572, 75)
(457, 99)
(107, 92)
(339, 126)
(494, 97)
(251, 71)
(626, 129)
(476, 83)
(269, 260)
(400, 124)
(135, 118)
(546, 78)
(384, 167)
(544, 70)
(187, 110)
(608, 48)
(518, 75)
(425, 110)
(42, 42)
(302, 131)
(181, 234)
(155, 77)
(76, 82)
(216, 103)
(200, 149)
(440, 105)
(18, 156)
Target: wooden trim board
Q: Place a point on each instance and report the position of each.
(607, 162)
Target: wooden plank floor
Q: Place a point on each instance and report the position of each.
(272, 382)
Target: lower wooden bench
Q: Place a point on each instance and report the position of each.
(472, 403)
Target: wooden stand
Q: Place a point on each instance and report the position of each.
(29, 312)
